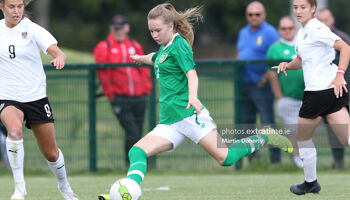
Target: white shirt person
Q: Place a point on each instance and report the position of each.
(314, 45)
(23, 93)
(325, 95)
(22, 76)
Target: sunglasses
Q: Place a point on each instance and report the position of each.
(286, 28)
(254, 14)
(117, 29)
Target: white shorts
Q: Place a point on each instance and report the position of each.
(190, 127)
(288, 110)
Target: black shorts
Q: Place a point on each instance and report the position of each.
(322, 103)
(35, 112)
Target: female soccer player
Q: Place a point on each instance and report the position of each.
(325, 91)
(181, 113)
(23, 93)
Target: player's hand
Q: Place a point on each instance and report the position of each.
(58, 62)
(197, 105)
(339, 85)
(137, 59)
(282, 67)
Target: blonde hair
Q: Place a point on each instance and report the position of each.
(183, 21)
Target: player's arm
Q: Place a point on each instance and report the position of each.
(275, 84)
(143, 59)
(192, 91)
(292, 65)
(58, 55)
(344, 58)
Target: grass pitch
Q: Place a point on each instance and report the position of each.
(189, 187)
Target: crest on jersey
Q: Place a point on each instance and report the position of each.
(24, 35)
(163, 57)
(259, 41)
(305, 36)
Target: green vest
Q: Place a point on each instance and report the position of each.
(293, 84)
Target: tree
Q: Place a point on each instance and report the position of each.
(80, 24)
(41, 9)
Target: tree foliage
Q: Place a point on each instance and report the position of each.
(80, 24)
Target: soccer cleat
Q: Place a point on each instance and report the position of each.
(68, 193)
(104, 197)
(278, 140)
(303, 188)
(20, 191)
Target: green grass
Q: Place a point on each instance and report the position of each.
(189, 187)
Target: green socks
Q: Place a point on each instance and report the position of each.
(239, 149)
(138, 164)
(243, 147)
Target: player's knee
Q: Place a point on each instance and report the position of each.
(15, 133)
(51, 156)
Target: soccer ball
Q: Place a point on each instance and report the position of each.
(125, 189)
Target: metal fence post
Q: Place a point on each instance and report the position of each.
(237, 69)
(92, 119)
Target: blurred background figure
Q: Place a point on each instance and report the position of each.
(253, 42)
(3, 155)
(289, 96)
(326, 16)
(125, 87)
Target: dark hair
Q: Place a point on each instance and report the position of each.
(312, 3)
(183, 21)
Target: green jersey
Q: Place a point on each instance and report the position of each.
(171, 64)
(292, 85)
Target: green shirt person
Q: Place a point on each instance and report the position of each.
(182, 115)
(289, 90)
(171, 63)
(285, 50)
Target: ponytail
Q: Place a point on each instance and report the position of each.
(183, 21)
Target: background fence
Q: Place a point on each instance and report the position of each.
(92, 139)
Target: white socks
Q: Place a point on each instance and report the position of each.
(308, 155)
(59, 170)
(298, 162)
(15, 154)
